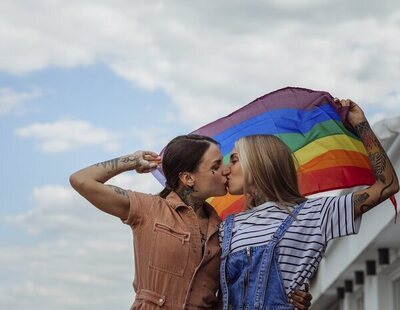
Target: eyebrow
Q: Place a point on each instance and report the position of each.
(217, 161)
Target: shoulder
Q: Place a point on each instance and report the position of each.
(338, 201)
(142, 207)
(139, 198)
(327, 201)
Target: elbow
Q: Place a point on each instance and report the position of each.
(392, 188)
(76, 181)
(395, 186)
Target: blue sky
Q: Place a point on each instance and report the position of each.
(82, 82)
(93, 94)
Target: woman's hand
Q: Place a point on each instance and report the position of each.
(355, 115)
(301, 299)
(145, 161)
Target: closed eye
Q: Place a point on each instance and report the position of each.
(234, 159)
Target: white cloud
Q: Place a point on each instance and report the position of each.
(12, 101)
(213, 57)
(153, 139)
(69, 274)
(83, 259)
(65, 135)
(145, 183)
(61, 209)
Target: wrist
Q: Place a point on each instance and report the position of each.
(358, 120)
(129, 162)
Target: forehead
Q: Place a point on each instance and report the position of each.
(212, 155)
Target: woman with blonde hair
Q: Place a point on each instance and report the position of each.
(276, 245)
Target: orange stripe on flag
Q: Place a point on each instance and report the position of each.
(336, 158)
(223, 202)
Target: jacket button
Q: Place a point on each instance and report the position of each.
(161, 301)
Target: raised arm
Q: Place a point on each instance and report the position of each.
(89, 182)
(386, 181)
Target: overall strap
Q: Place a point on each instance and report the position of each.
(226, 244)
(266, 260)
(286, 223)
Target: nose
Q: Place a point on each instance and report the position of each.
(226, 170)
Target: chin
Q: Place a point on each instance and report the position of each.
(235, 192)
(222, 192)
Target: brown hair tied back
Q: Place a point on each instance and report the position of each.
(182, 154)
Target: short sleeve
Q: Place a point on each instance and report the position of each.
(140, 208)
(337, 217)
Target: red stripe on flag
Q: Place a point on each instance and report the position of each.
(333, 178)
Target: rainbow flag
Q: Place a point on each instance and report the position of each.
(329, 155)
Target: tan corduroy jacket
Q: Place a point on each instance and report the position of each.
(170, 270)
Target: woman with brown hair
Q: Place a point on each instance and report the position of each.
(276, 245)
(176, 247)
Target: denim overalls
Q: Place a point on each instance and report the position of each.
(251, 278)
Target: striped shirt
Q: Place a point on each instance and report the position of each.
(304, 243)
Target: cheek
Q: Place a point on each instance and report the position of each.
(236, 172)
(217, 182)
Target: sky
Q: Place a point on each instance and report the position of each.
(86, 81)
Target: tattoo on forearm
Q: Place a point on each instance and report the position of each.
(376, 153)
(112, 165)
(109, 165)
(366, 208)
(128, 159)
(360, 198)
(378, 162)
(365, 132)
(119, 190)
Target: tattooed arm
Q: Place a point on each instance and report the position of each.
(89, 182)
(386, 181)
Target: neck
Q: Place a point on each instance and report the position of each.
(192, 201)
(259, 200)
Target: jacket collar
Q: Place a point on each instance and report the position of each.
(176, 202)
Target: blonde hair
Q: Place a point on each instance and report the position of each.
(269, 169)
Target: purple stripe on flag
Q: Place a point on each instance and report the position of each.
(288, 97)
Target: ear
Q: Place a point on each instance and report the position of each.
(187, 178)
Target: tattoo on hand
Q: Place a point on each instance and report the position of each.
(119, 190)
